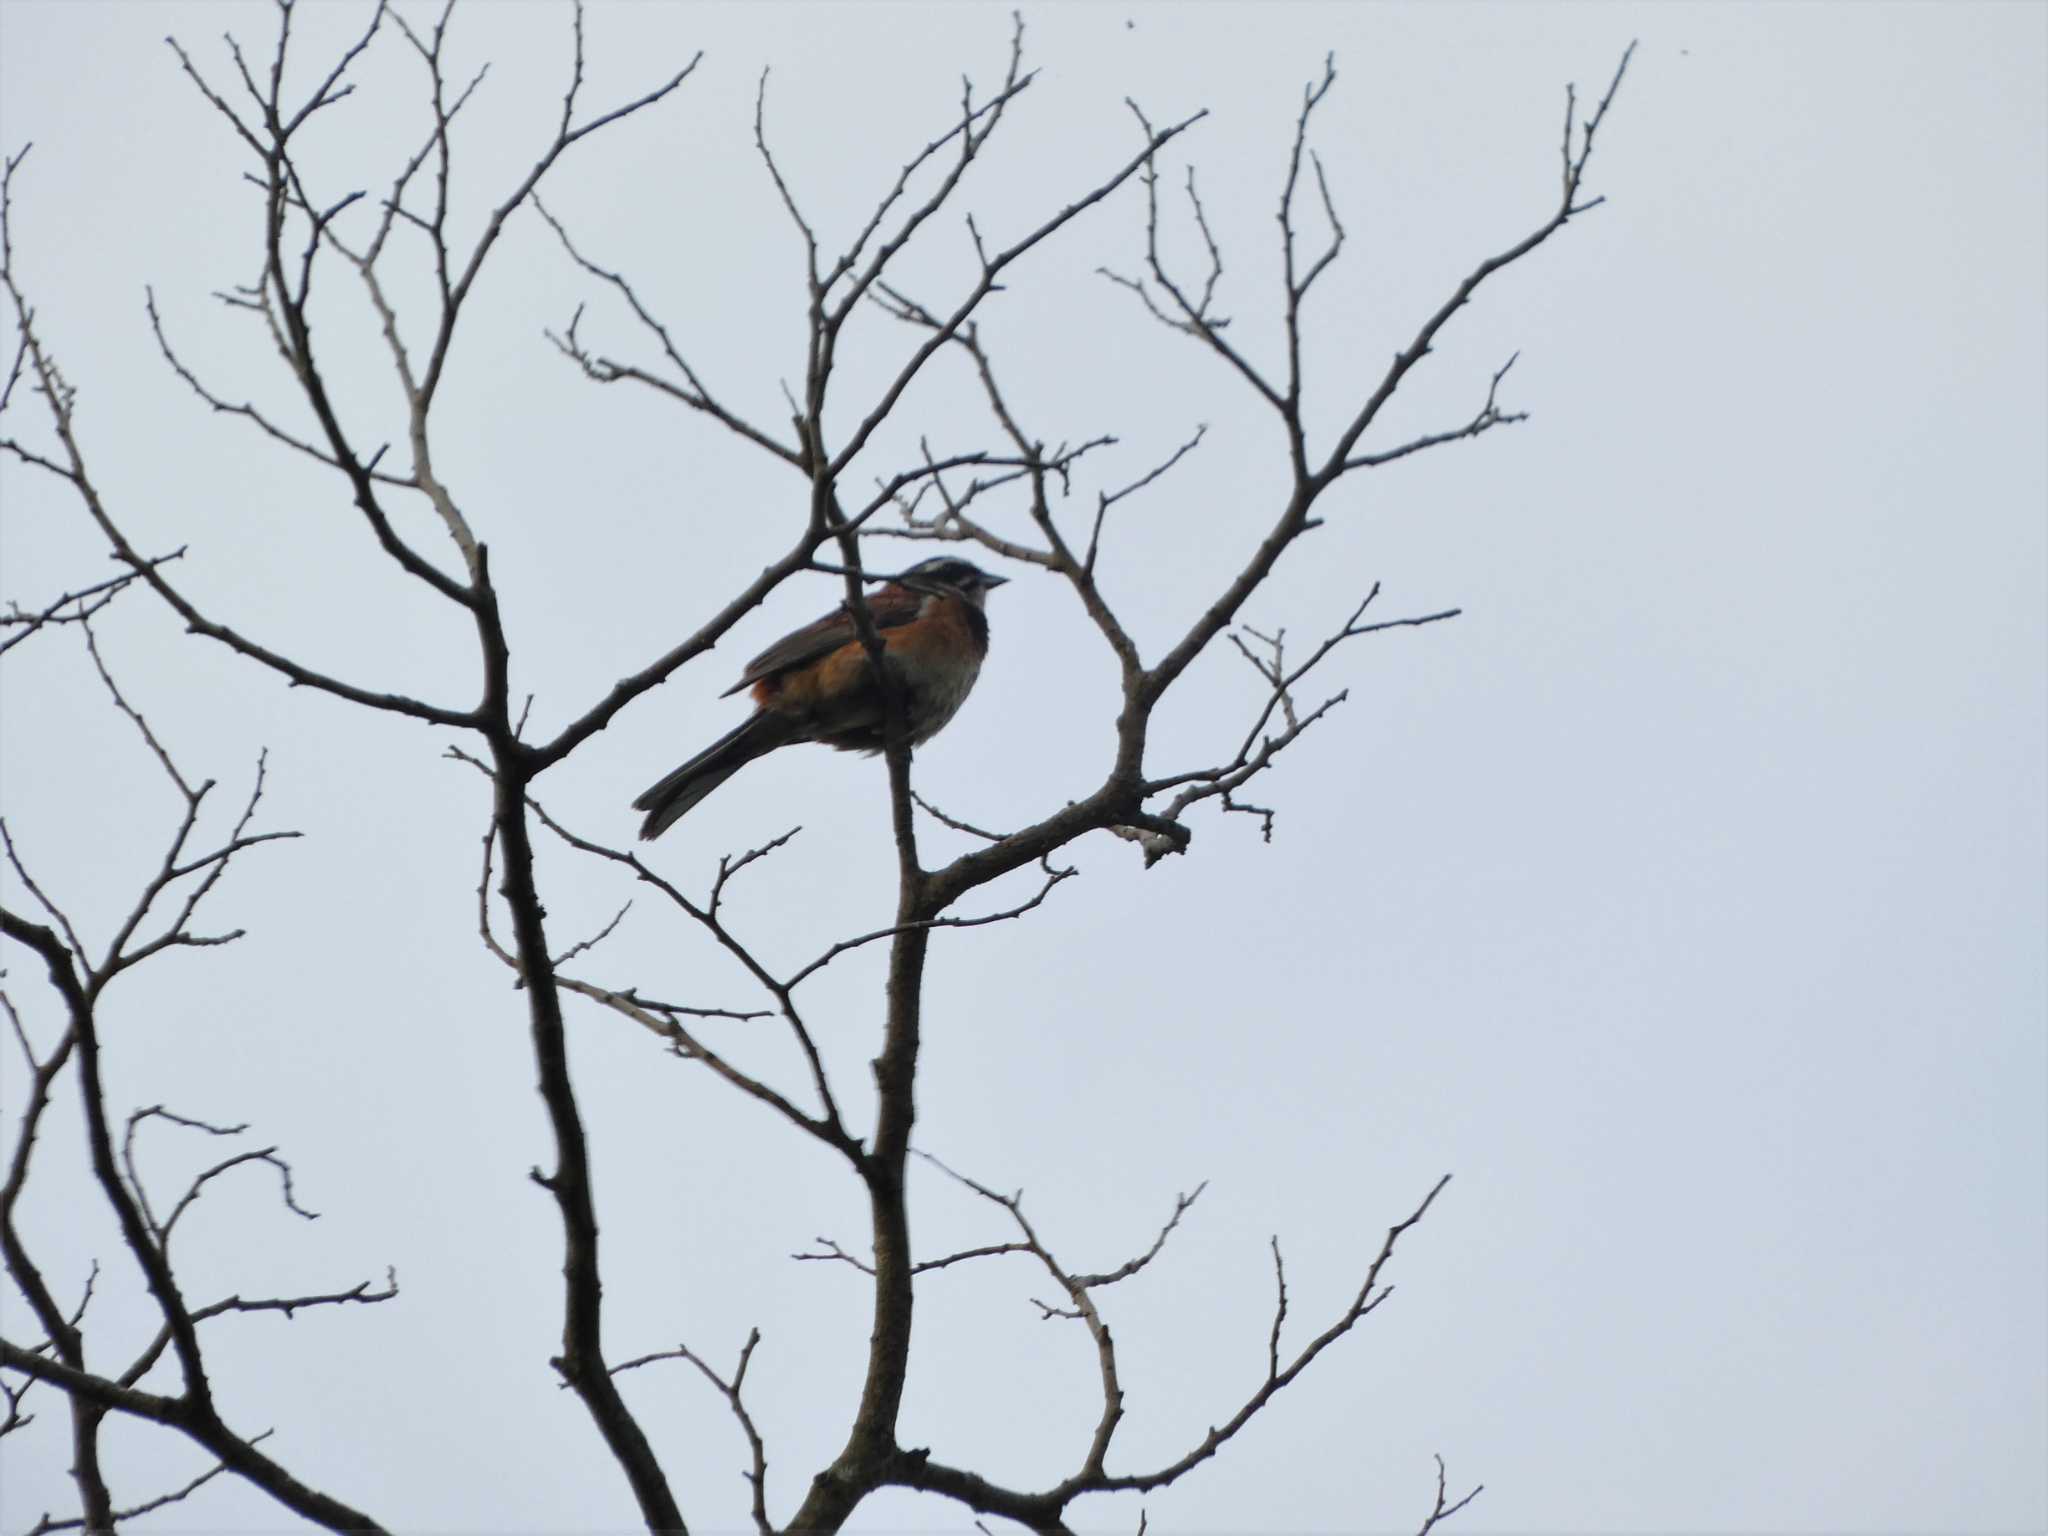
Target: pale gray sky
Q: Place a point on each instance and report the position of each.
(1684, 898)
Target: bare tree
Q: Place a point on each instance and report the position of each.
(1004, 494)
(81, 973)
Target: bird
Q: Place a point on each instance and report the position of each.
(816, 683)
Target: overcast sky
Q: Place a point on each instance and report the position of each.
(1684, 898)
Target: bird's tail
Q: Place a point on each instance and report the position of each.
(666, 801)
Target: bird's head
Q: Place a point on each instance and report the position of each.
(949, 576)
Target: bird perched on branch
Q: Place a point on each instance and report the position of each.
(816, 684)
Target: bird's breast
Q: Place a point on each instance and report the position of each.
(939, 657)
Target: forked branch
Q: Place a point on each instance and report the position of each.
(1037, 1509)
(79, 982)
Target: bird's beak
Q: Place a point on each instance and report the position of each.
(988, 580)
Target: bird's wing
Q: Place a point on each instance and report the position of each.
(890, 607)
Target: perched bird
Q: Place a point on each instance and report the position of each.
(815, 684)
